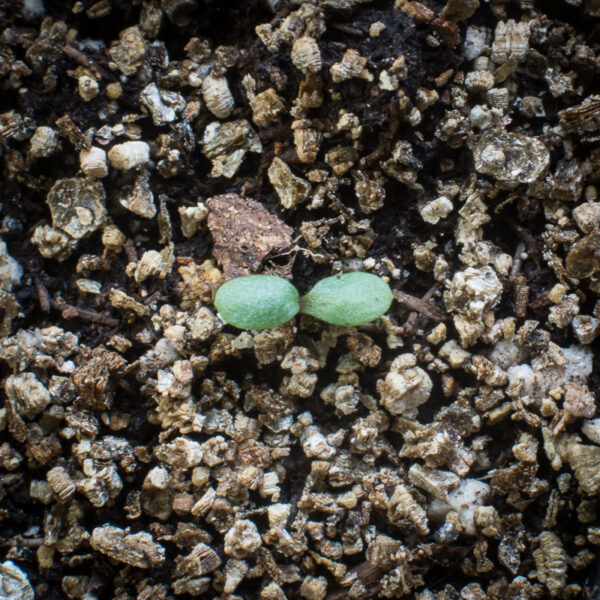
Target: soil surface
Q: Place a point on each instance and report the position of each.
(151, 151)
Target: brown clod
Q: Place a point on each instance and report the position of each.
(244, 233)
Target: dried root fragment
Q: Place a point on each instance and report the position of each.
(137, 550)
(551, 562)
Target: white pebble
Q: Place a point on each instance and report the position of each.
(129, 155)
(93, 162)
(435, 210)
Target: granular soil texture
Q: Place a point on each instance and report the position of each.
(150, 151)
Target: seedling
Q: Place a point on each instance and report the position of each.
(266, 301)
(257, 301)
(348, 299)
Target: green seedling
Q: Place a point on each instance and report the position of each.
(266, 301)
(257, 301)
(348, 299)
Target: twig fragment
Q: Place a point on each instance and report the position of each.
(43, 296)
(420, 305)
(69, 311)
